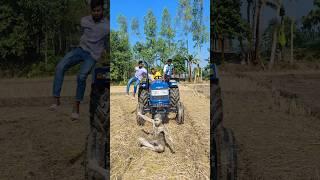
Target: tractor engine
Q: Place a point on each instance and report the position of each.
(159, 96)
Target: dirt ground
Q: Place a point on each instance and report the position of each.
(191, 141)
(274, 117)
(36, 143)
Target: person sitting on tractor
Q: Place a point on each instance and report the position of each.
(91, 47)
(155, 74)
(168, 70)
(139, 74)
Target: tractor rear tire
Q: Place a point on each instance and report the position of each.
(143, 97)
(223, 160)
(216, 106)
(180, 113)
(174, 96)
(97, 145)
(227, 155)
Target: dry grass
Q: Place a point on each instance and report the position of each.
(191, 143)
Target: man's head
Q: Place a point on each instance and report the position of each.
(140, 64)
(169, 61)
(153, 71)
(96, 9)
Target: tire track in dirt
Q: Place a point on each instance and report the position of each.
(128, 161)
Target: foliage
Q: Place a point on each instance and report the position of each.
(228, 22)
(135, 27)
(122, 21)
(199, 33)
(312, 20)
(31, 29)
(121, 62)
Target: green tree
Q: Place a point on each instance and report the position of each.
(191, 59)
(122, 21)
(166, 30)
(135, 27)
(150, 31)
(179, 64)
(150, 26)
(199, 33)
(276, 4)
(184, 18)
(228, 22)
(312, 20)
(121, 63)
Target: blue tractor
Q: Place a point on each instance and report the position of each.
(159, 97)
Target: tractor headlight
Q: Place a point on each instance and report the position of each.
(160, 92)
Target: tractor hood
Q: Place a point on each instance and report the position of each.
(158, 84)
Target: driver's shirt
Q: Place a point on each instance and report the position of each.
(168, 70)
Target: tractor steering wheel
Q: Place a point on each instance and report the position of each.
(158, 77)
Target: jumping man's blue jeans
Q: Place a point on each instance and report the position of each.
(76, 56)
(133, 79)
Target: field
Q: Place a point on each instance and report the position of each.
(275, 118)
(190, 159)
(276, 123)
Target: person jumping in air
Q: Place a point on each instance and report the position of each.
(92, 45)
(140, 73)
(168, 70)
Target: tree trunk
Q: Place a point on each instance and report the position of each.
(60, 43)
(274, 42)
(273, 49)
(222, 50)
(189, 64)
(291, 58)
(254, 23)
(257, 33)
(248, 11)
(46, 50)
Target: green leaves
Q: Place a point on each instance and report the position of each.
(135, 27)
(166, 30)
(312, 20)
(121, 57)
(150, 26)
(228, 20)
(13, 35)
(199, 32)
(184, 16)
(30, 30)
(122, 21)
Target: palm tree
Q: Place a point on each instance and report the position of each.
(275, 4)
(191, 59)
(259, 6)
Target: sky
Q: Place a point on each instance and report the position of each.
(139, 8)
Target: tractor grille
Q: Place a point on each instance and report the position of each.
(159, 97)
